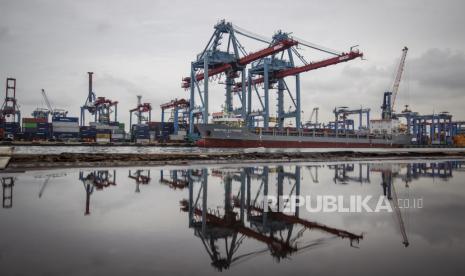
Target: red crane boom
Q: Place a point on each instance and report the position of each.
(309, 67)
(280, 46)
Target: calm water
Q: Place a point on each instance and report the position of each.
(211, 220)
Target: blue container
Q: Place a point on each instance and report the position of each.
(43, 125)
(103, 131)
(65, 135)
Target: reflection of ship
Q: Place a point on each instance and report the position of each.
(96, 179)
(280, 232)
(225, 136)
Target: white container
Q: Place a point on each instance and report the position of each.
(65, 124)
(177, 137)
(117, 136)
(66, 129)
(103, 140)
(143, 141)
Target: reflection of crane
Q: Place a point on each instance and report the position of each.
(141, 177)
(177, 179)
(97, 179)
(314, 176)
(278, 231)
(390, 96)
(400, 221)
(341, 171)
(7, 185)
(390, 192)
(47, 180)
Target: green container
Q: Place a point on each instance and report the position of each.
(30, 125)
(121, 125)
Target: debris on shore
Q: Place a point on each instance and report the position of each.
(23, 161)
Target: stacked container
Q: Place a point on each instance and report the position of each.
(111, 132)
(117, 134)
(36, 129)
(155, 130)
(87, 133)
(65, 127)
(168, 129)
(2, 128)
(141, 133)
(103, 136)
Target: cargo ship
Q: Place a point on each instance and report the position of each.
(228, 136)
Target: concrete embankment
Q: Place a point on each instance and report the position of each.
(37, 161)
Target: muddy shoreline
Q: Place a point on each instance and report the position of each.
(64, 160)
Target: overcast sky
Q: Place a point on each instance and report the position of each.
(145, 47)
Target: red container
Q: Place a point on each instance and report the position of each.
(35, 120)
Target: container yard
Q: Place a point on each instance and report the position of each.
(232, 138)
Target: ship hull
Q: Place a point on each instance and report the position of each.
(234, 143)
(219, 136)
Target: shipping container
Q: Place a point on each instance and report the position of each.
(66, 119)
(65, 135)
(66, 129)
(34, 120)
(102, 140)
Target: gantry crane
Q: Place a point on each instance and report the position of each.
(180, 109)
(342, 113)
(100, 107)
(274, 69)
(389, 98)
(10, 108)
(214, 61)
(143, 112)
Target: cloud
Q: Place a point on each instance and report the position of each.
(440, 69)
(147, 49)
(4, 32)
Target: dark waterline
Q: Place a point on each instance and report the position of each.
(210, 220)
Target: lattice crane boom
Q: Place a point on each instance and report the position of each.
(353, 54)
(400, 70)
(273, 49)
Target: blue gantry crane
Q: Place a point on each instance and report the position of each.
(278, 66)
(229, 60)
(99, 107)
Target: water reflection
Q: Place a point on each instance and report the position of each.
(241, 216)
(7, 184)
(223, 205)
(140, 177)
(98, 179)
